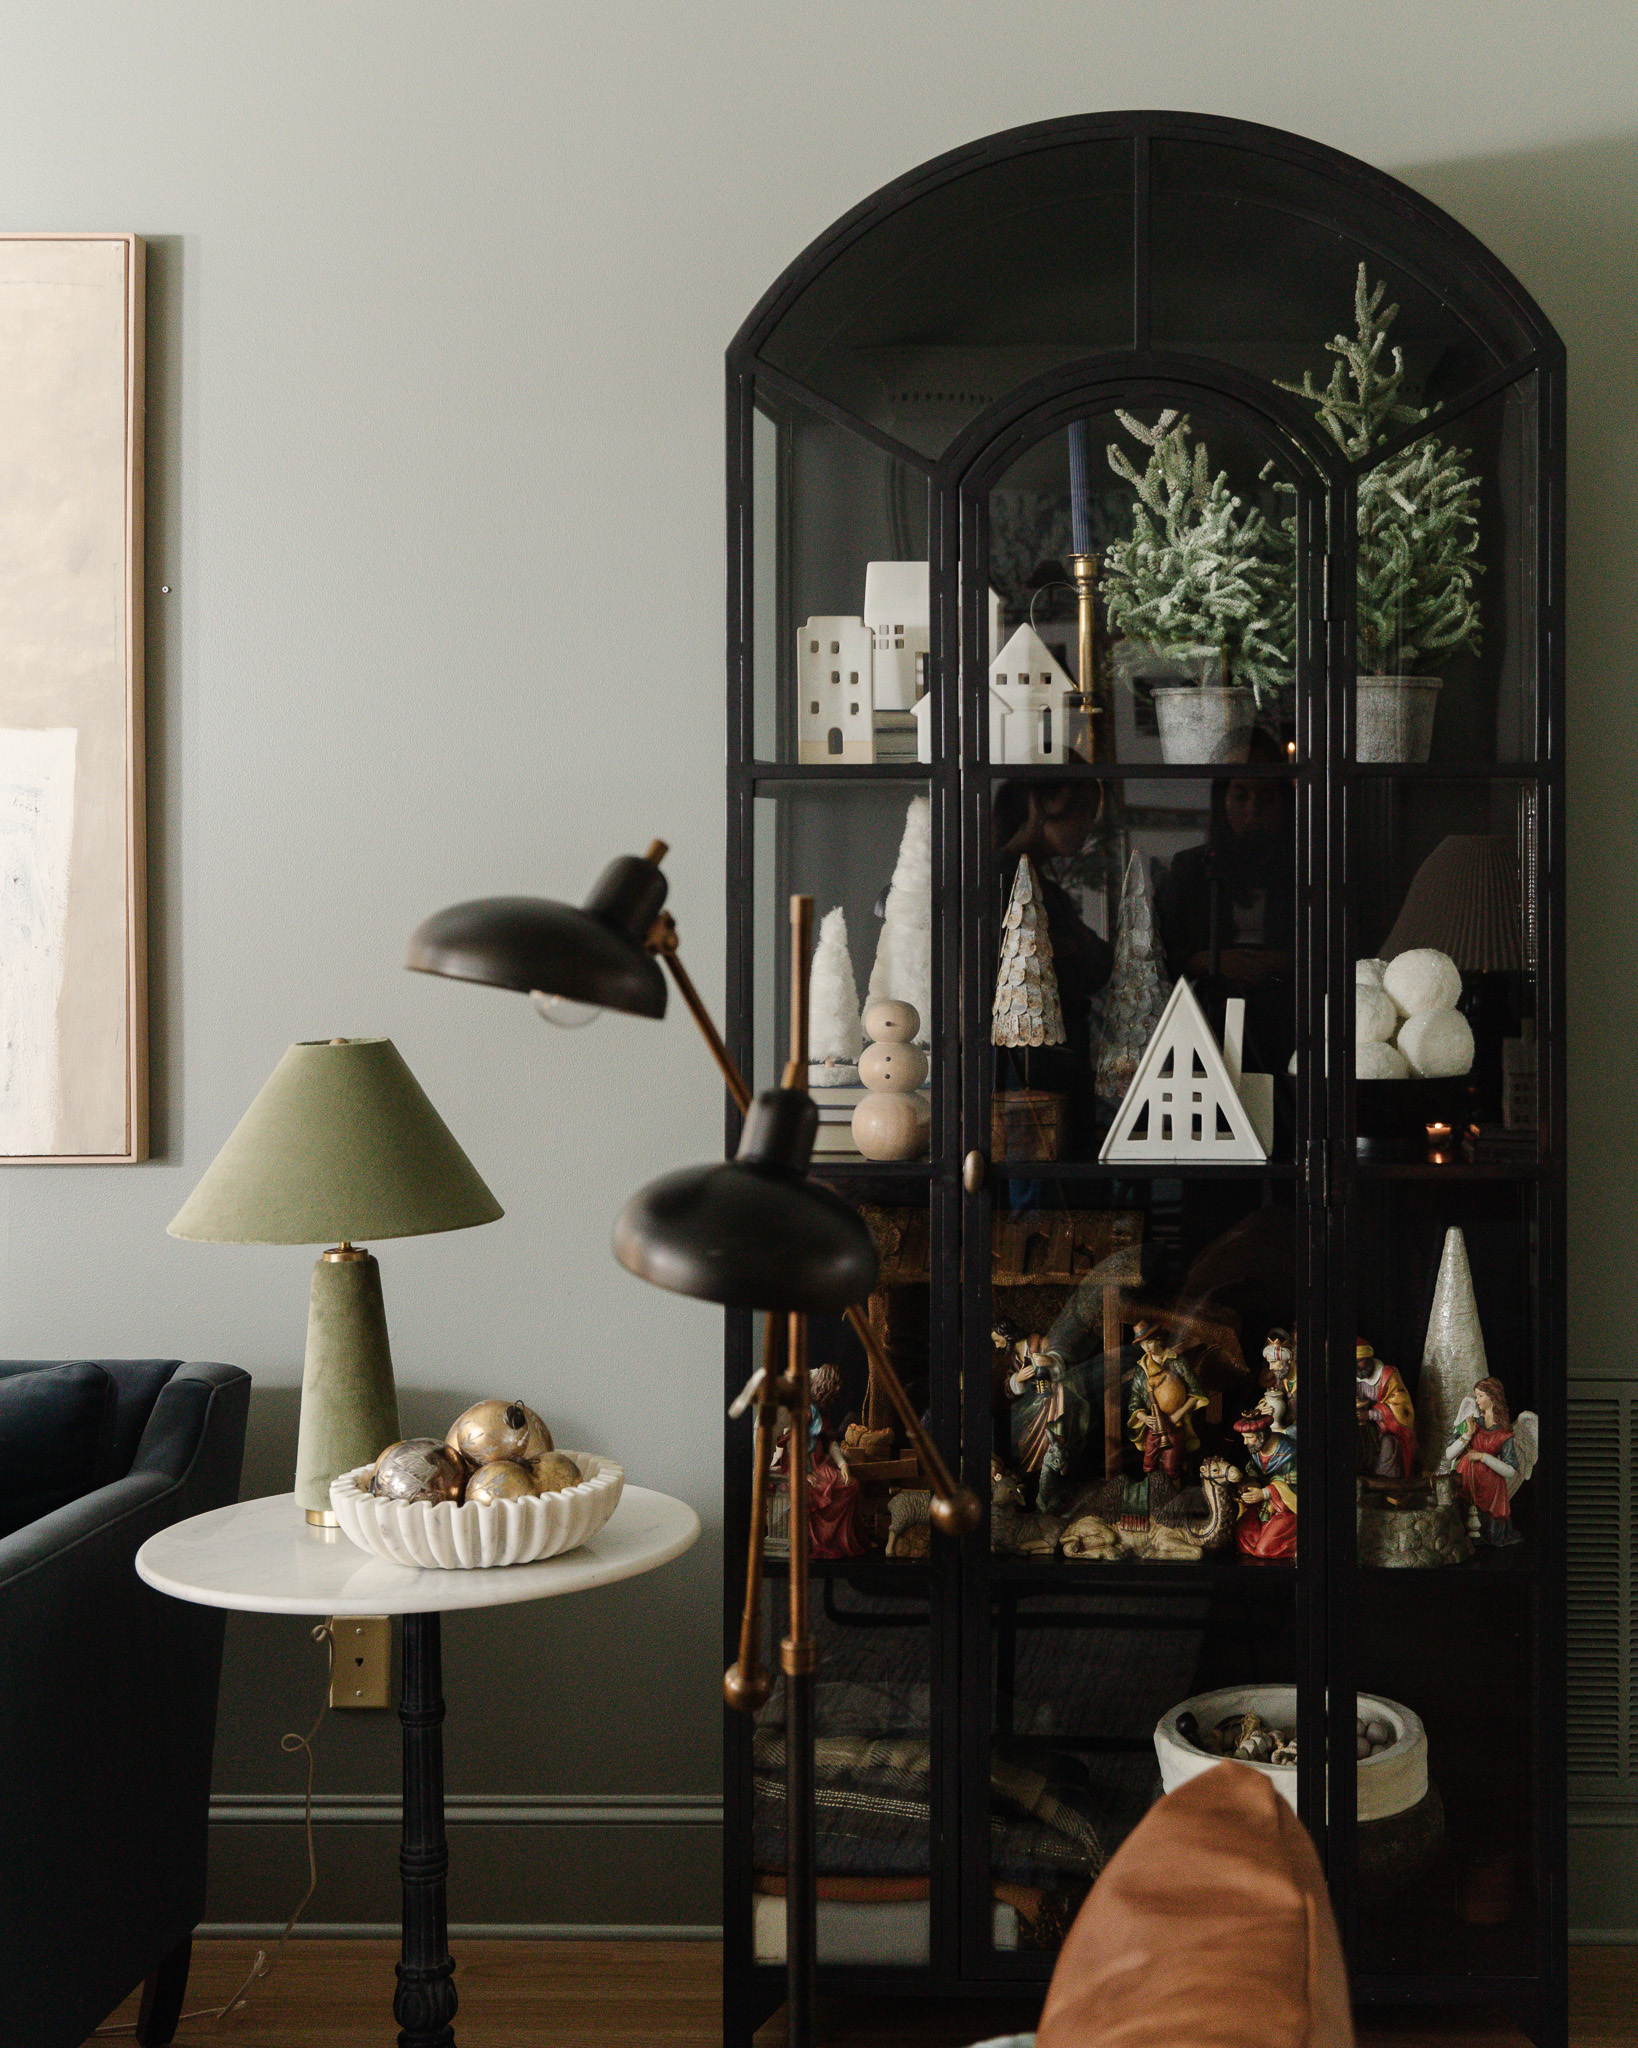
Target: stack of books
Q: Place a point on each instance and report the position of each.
(896, 738)
(835, 1107)
(1491, 1145)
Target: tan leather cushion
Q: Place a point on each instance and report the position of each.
(1211, 1928)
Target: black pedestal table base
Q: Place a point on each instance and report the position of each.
(424, 2004)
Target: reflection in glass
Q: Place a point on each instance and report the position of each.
(1080, 1682)
(1138, 884)
(873, 1777)
(944, 305)
(1449, 867)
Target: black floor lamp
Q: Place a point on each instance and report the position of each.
(755, 1232)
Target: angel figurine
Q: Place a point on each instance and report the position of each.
(1492, 1456)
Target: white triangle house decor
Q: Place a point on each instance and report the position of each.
(1188, 1099)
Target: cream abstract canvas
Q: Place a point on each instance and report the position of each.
(73, 1036)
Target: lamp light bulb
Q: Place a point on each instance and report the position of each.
(559, 1010)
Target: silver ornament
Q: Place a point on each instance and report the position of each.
(419, 1468)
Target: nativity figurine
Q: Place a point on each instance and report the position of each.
(1492, 1456)
(1387, 1418)
(1267, 1527)
(1165, 1398)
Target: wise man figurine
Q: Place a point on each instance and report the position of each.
(1387, 1417)
(1267, 1527)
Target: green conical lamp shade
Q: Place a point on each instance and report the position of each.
(341, 1145)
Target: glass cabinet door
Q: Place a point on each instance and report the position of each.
(1138, 1297)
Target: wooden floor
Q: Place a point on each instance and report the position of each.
(629, 1994)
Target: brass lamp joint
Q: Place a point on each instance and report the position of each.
(344, 1254)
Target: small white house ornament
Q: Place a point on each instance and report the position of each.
(1029, 694)
(835, 697)
(896, 611)
(1188, 1099)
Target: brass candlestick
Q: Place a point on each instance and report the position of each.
(1083, 570)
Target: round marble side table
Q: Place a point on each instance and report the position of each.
(264, 1557)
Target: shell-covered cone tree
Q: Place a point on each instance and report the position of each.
(1027, 1010)
(1196, 580)
(1417, 511)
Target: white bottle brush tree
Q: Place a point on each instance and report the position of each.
(835, 1038)
(1197, 580)
(1027, 1010)
(1417, 511)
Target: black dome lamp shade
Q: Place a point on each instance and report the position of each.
(598, 953)
(754, 1233)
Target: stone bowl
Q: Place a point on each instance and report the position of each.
(1392, 1781)
(441, 1536)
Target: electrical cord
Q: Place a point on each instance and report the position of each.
(262, 1967)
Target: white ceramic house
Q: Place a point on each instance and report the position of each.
(895, 610)
(835, 718)
(922, 708)
(1029, 694)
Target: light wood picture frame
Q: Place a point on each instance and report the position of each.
(73, 938)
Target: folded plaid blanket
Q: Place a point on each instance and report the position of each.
(873, 1817)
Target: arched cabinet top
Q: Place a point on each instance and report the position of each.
(1001, 265)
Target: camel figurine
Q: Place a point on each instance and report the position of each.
(1174, 1524)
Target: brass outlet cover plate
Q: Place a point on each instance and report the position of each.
(361, 1675)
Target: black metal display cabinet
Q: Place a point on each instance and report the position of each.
(937, 382)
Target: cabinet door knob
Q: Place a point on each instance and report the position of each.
(972, 1172)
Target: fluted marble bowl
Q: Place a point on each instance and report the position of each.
(441, 1536)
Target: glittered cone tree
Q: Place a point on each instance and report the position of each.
(1137, 991)
(1028, 1124)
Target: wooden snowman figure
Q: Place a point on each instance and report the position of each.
(892, 1120)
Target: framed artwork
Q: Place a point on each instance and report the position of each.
(73, 980)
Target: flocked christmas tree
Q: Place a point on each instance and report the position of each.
(1196, 581)
(904, 953)
(835, 1038)
(1027, 1011)
(1137, 992)
(1417, 511)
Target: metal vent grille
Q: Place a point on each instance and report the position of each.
(1603, 1588)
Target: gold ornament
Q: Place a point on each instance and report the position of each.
(501, 1479)
(554, 1471)
(499, 1429)
(419, 1468)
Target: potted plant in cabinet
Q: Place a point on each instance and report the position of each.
(1418, 538)
(1194, 591)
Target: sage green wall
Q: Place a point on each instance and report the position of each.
(439, 293)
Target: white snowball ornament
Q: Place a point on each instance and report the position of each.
(1423, 980)
(1370, 972)
(1437, 1044)
(1375, 1017)
(1376, 1062)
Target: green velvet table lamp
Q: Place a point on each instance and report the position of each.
(341, 1144)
